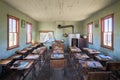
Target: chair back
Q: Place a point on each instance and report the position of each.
(60, 63)
(99, 75)
(113, 66)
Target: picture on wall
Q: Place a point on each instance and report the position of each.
(22, 23)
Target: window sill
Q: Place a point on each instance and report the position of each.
(107, 47)
(9, 48)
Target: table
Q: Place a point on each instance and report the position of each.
(103, 59)
(16, 56)
(81, 56)
(29, 49)
(74, 50)
(34, 57)
(23, 52)
(91, 52)
(87, 66)
(5, 62)
(57, 60)
(24, 66)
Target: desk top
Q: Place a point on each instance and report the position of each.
(91, 51)
(29, 48)
(5, 62)
(22, 64)
(75, 49)
(91, 64)
(81, 56)
(22, 51)
(104, 58)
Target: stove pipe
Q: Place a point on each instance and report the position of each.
(67, 26)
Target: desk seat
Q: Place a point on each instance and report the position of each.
(100, 75)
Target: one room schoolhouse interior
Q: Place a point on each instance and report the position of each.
(59, 40)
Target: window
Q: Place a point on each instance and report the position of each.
(29, 32)
(13, 32)
(107, 32)
(46, 36)
(90, 32)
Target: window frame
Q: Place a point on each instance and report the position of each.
(27, 33)
(88, 32)
(102, 32)
(8, 31)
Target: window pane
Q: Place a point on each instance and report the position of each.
(106, 25)
(90, 38)
(29, 38)
(110, 24)
(90, 28)
(90, 32)
(10, 25)
(42, 37)
(14, 25)
(28, 28)
(15, 39)
(105, 39)
(109, 39)
(10, 39)
(29, 34)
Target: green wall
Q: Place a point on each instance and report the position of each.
(115, 9)
(58, 33)
(4, 10)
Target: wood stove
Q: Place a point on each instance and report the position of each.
(74, 40)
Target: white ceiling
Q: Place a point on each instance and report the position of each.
(59, 10)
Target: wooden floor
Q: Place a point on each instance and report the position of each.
(59, 74)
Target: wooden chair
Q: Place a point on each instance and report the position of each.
(58, 65)
(115, 68)
(103, 75)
